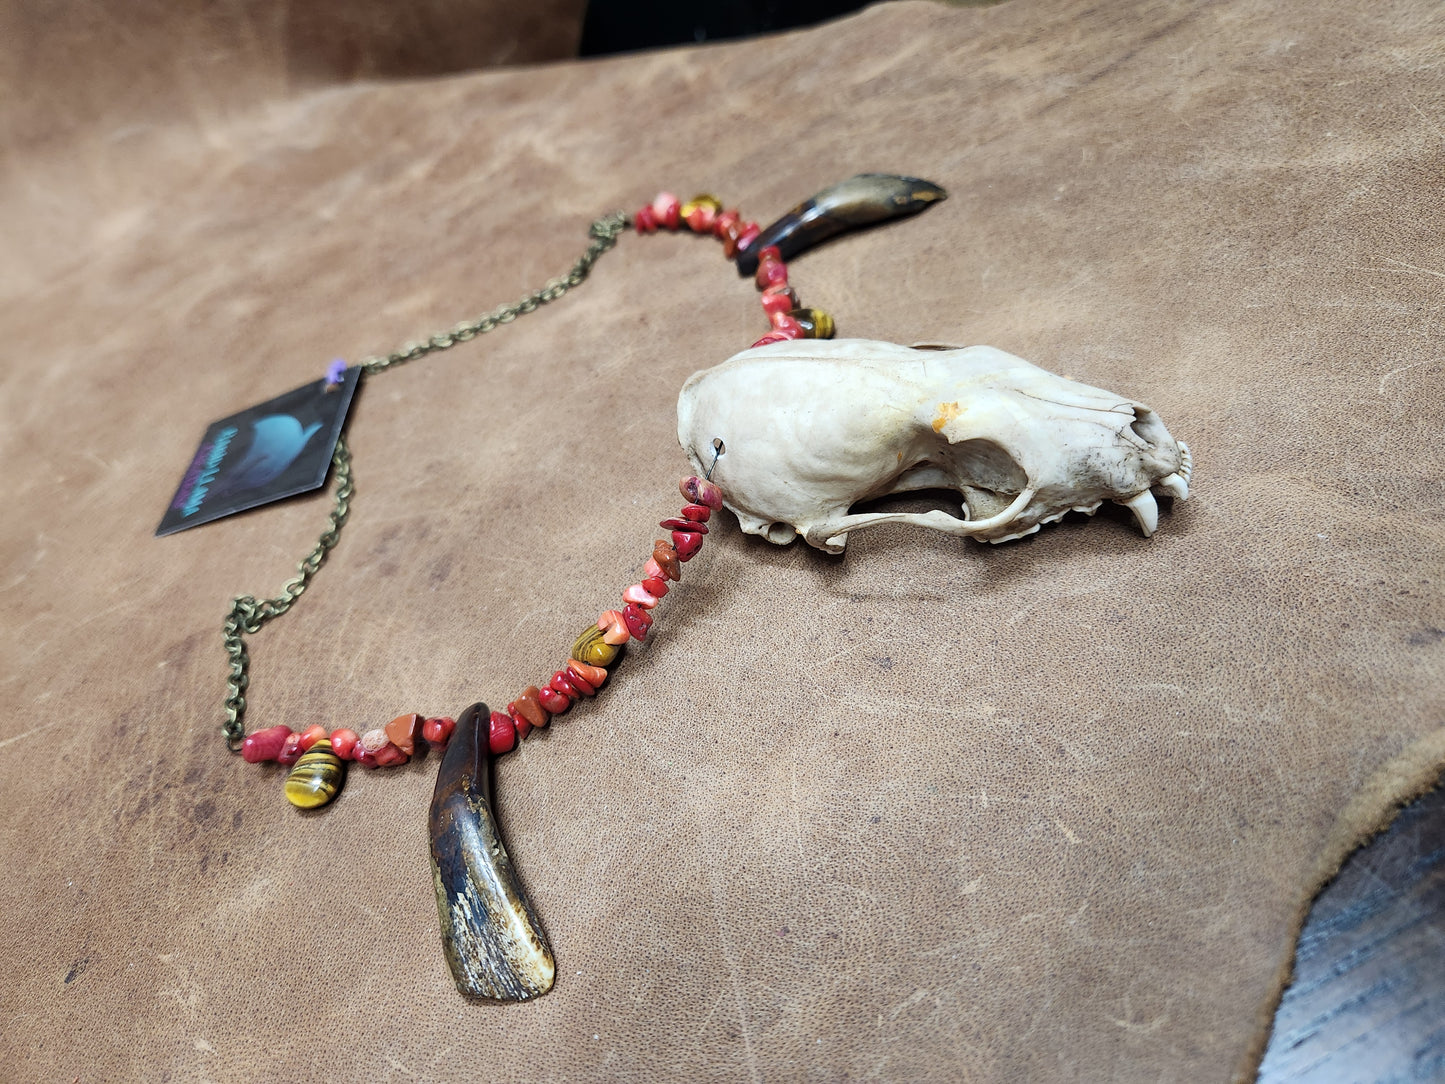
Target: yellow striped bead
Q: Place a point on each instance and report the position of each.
(593, 650)
(316, 777)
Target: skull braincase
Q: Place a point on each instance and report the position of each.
(812, 427)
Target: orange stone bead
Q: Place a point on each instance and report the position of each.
(402, 732)
(593, 675)
(529, 706)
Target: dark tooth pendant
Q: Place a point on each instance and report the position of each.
(493, 941)
(858, 201)
(316, 778)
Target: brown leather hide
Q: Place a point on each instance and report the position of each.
(930, 810)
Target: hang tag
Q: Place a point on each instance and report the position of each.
(275, 449)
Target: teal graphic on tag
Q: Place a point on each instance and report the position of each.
(275, 449)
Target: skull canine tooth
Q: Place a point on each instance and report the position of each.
(1175, 486)
(1146, 511)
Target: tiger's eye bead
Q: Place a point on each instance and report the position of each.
(816, 323)
(502, 736)
(530, 706)
(343, 743)
(687, 543)
(698, 513)
(438, 731)
(655, 585)
(638, 621)
(705, 203)
(614, 629)
(554, 701)
(592, 648)
(576, 685)
(666, 557)
(593, 675)
(316, 777)
(264, 744)
(701, 491)
(402, 732)
(639, 596)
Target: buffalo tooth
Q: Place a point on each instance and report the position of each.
(1146, 511)
(1174, 485)
(1186, 462)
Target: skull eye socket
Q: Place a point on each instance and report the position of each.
(1148, 428)
(980, 471)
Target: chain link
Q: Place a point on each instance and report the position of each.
(249, 614)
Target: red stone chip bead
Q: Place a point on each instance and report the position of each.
(687, 543)
(701, 218)
(389, 756)
(655, 586)
(667, 208)
(645, 221)
(554, 701)
(614, 629)
(574, 681)
(771, 273)
(438, 731)
(560, 684)
(529, 706)
(784, 323)
(698, 513)
(402, 732)
(665, 554)
(749, 234)
(653, 571)
(638, 620)
(264, 744)
(683, 525)
(502, 737)
(701, 491)
(343, 743)
(595, 676)
(310, 736)
(773, 297)
(639, 596)
(290, 750)
(521, 723)
(724, 222)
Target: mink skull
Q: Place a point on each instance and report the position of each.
(811, 427)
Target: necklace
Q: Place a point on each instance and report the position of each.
(493, 942)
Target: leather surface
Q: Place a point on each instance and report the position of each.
(930, 810)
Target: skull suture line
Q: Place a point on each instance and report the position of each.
(814, 426)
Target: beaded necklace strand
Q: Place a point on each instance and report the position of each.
(316, 758)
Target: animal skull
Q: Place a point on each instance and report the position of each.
(812, 426)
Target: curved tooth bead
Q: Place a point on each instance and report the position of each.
(593, 649)
(494, 944)
(316, 778)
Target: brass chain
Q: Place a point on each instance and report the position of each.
(248, 614)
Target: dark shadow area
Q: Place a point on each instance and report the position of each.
(621, 26)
